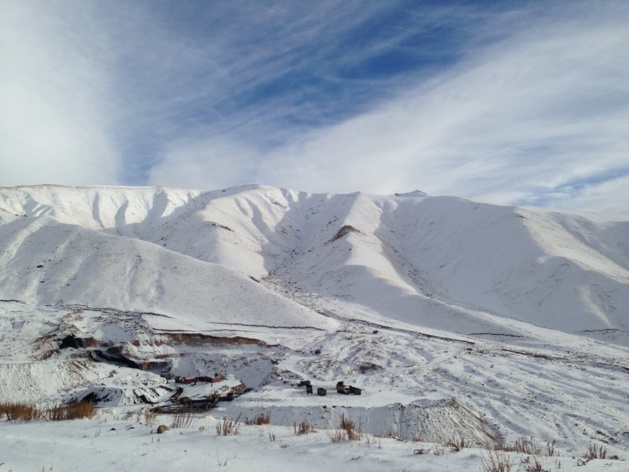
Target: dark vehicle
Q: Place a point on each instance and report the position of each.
(340, 388)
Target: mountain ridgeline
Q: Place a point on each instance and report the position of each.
(268, 257)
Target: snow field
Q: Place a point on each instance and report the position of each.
(111, 442)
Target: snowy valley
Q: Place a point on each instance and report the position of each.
(467, 327)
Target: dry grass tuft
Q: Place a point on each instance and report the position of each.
(528, 446)
(593, 452)
(303, 428)
(182, 419)
(262, 418)
(536, 466)
(150, 416)
(457, 444)
(550, 449)
(350, 428)
(338, 436)
(228, 427)
(347, 431)
(524, 446)
(496, 461)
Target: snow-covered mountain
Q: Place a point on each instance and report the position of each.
(505, 321)
(441, 263)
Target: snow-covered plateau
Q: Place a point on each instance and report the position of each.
(467, 328)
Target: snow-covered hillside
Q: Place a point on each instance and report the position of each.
(442, 263)
(506, 321)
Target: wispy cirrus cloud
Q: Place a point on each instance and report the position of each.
(530, 110)
(517, 103)
(535, 119)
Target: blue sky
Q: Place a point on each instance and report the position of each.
(506, 102)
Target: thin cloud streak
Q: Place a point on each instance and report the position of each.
(511, 124)
(520, 119)
(594, 197)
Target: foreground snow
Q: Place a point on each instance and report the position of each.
(415, 384)
(110, 442)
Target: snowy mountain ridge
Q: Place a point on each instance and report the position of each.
(426, 261)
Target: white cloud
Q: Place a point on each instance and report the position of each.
(610, 196)
(205, 164)
(117, 92)
(53, 113)
(514, 121)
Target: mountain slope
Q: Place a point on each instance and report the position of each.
(435, 262)
(46, 262)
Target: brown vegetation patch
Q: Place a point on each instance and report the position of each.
(25, 412)
(198, 339)
(74, 411)
(228, 427)
(349, 426)
(262, 418)
(20, 411)
(303, 428)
